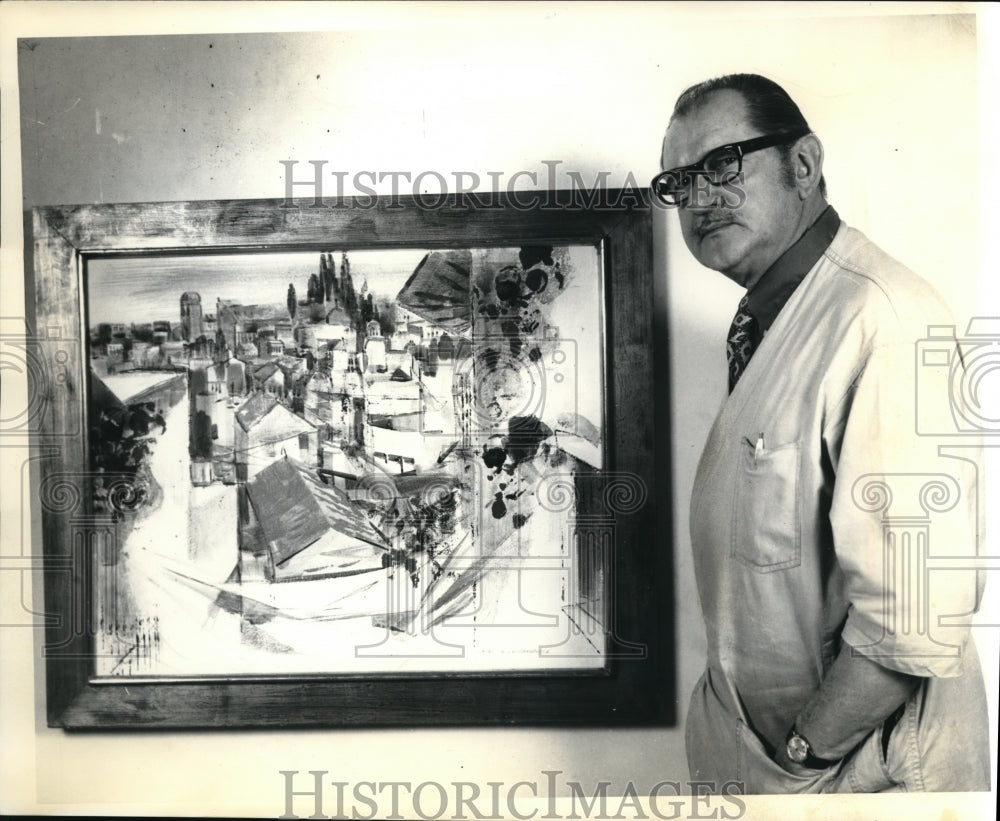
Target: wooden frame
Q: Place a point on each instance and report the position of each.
(635, 687)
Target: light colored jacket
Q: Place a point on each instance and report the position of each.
(825, 510)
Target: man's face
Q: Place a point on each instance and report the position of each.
(742, 242)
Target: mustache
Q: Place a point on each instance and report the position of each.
(703, 226)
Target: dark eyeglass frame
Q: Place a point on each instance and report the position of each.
(682, 176)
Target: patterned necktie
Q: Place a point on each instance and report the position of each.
(743, 339)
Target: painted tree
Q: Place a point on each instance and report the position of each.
(314, 291)
(328, 275)
(350, 295)
(291, 302)
(120, 443)
(367, 309)
(385, 311)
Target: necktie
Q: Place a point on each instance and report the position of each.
(743, 339)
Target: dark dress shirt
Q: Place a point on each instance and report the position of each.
(769, 295)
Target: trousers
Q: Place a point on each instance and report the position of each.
(939, 743)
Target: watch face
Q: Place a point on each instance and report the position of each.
(798, 749)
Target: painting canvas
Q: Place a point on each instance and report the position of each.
(347, 461)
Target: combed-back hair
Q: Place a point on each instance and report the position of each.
(771, 110)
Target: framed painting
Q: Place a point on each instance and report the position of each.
(352, 464)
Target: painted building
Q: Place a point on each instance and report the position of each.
(375, 355)
(191, 316)
(266, 430)
(268, 377)
(298, 528)
(238, 323)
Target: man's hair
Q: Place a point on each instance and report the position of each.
(770, 109)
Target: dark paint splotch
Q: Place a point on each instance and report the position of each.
(494, 457)
(524, 435)
(499, 507)
(516, 308)
(531, 255)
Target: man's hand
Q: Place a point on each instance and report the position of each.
(856, 696)
(782, 760)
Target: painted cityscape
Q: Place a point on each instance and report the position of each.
(347, 462)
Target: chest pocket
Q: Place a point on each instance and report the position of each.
(766, 525)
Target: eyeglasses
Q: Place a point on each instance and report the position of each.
(718, 166)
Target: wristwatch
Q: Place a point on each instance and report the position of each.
(800, 752)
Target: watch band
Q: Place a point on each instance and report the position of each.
(800, 751)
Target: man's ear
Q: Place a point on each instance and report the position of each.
(806, 157)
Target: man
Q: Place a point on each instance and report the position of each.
(829, 666)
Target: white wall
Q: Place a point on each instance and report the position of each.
(459, 88)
